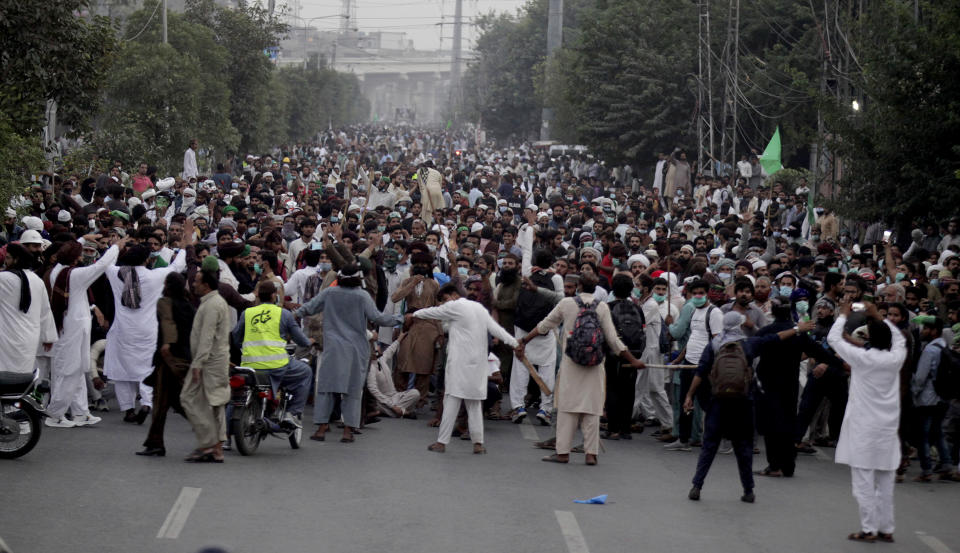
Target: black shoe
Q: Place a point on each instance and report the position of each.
(626, 436)
(748, 497)
(152, 452)
(142, 414)
(410, 415)
(130, 416)
(694, 494)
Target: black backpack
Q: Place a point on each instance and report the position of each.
(946, 382)
(629, 322)
(586, 342)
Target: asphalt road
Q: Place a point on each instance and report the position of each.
(83, 490)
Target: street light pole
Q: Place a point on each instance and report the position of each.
(163, 21)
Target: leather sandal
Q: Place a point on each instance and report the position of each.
(867, 537)
(555, 459)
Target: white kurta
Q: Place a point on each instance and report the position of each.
(868, 437)
(469, 322)
(22, 333)
(132, 339)
(71, 353)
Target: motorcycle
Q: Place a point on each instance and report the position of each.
(22, 409)
(258, 412)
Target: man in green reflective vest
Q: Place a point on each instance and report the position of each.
(262, 333)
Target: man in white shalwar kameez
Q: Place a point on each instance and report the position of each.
(132, 339)
(23, 332)
(466, 368)
(71, 353)
(868, 438)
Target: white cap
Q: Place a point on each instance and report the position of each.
(64, 216)
(165, 184)
(133, 202)
(149, 193)
(10, 212)
(32, 223)
(31, 237)
(476, 227)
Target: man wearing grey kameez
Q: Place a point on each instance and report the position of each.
(347, 309)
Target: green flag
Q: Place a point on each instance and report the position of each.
(811, 218)
(449, 123)
(376, 117)
(770, 160)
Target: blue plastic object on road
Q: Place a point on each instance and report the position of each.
(599, 500)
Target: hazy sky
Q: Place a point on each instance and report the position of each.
(420, 19)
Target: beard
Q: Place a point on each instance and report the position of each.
(509, 276)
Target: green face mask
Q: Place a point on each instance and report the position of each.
(901, 276)
(699, 301)
(833, 269)
(257, 268)
(659, 298)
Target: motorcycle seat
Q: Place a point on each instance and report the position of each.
(14, 383)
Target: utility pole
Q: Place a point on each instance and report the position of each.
(705, 83)
(457, 55)
(554, 40)
(163, 22)
(728, 117)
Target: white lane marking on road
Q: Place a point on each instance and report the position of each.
(178, 513)
(529, 432)
(933, 543)
(4, 548)
(571, 532)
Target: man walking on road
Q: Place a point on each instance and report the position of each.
(206, 388)
(727, 361)
(580, 388)
(466, 368)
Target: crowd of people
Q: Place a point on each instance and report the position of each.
(376, 269)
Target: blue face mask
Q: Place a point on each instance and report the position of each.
(659, 298)
(586, 244)
(463, 271)
(637, 292)
(803, 307)
(699, 301)
(324, 266)
(833, 269)
(786, 290)
(257, 268)
(901, 276)
(935, 282)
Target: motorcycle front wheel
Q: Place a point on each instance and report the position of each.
(19, 431)
(246, 435)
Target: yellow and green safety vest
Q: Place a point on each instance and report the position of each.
(263, 345)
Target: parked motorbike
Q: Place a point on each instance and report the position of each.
(22, 409)
(258, 412)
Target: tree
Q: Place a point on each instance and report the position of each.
(245, 32)
(901, 150)
(152, 119)
(503, 86)
(47, 51)
(19, 158)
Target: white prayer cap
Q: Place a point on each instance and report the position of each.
(64, 216)
(149, 193)
(133, 202)
(638, 257)
(31, 237)
(32, 223)
(165, 184)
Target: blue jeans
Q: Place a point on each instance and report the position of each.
(930, 419)
(294, 378)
